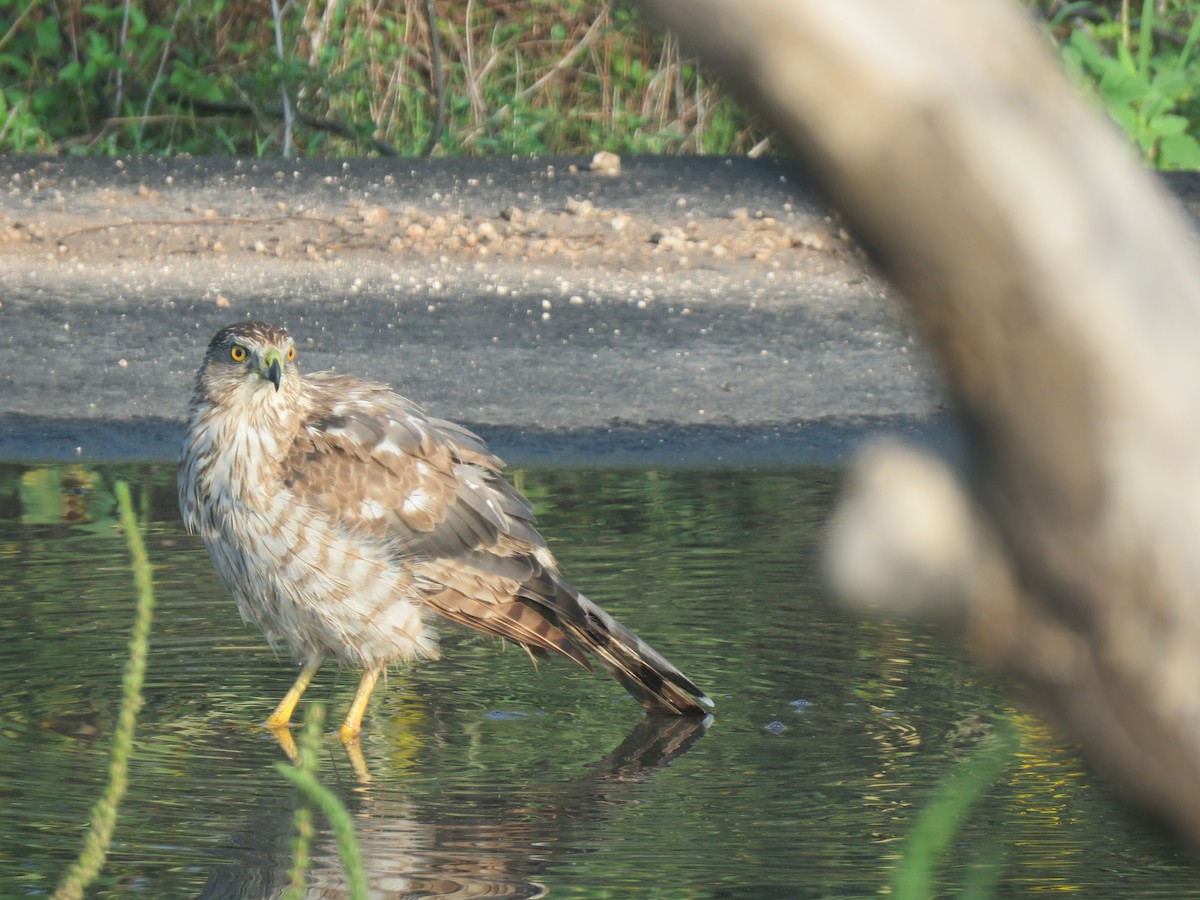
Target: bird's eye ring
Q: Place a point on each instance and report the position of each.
(237, 353)
(291, 353)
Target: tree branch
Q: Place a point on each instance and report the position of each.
(1056, 285)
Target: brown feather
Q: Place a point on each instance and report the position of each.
(512, 621)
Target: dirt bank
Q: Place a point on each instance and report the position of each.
(691, 296)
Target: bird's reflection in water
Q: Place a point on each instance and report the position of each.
(499, 847)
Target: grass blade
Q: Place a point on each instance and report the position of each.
(942, 817)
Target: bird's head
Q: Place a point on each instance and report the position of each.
(248, 362)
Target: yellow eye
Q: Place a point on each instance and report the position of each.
(291, 353)
(237, 353)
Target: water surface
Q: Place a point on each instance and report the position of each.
(491, 777)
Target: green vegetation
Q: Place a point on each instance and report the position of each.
(302, 818)
(526, 77)
(351, 78)
(941, 822)
(313, 794)
(1142, 67)
(104, 814)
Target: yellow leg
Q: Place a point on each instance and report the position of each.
(351, 727)
(283, 712)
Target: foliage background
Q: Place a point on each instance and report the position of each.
(209, 78)
(1138, 61)
(353, 77)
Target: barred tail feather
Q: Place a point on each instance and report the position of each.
(648, 676)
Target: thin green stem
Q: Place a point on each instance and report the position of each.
(104, 814)
(1193, 34)
(942, 817)
(310, 744)
(1146, 37)
(339, 819)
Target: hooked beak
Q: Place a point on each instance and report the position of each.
(272, 369)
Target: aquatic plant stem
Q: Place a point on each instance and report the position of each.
(315, 794)
(942, 817)
(104, 814)
(310, 742)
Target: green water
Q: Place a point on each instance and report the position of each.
(490, 777)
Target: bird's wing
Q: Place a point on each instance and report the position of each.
(375, 464)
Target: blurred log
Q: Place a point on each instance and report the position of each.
(1056, 285)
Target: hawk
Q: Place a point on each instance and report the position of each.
(345, 522)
